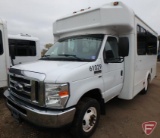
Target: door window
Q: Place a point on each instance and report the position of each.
(1, 43)
(111, 49)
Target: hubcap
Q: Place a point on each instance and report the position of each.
(89, 119)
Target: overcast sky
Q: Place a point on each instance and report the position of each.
(36, 17)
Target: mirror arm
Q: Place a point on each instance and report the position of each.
(121, 59)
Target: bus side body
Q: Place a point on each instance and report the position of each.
(146, 56)
(140, 65)
(4, 54)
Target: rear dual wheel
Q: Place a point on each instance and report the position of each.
(147, 85)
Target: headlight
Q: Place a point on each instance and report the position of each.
(56, 95)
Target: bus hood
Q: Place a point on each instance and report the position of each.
(54, 69)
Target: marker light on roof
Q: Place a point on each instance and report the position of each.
(81, 10)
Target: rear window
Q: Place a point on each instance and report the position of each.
(23, 47)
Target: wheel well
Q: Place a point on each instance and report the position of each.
(96, 94)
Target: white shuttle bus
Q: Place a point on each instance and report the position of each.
(26, 48)
(99, 54)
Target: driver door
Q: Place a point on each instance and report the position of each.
(113, 69)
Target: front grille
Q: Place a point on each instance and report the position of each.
(21, 94)
(19, 79)
(25, 89)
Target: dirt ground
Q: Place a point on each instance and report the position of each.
(123, 119)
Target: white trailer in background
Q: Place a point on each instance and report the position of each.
(99, 54)
(26, 48)
(22, 49)
(4, 54)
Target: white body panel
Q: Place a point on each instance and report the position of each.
(108, 16)
(24, 59)
(137, 67)
(4, 58)
(144, 64)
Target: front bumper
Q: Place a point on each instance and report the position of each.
(40, 117)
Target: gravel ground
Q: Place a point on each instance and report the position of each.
(123, 119)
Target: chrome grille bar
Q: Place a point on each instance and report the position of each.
(24, 87)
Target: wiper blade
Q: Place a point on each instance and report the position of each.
(46, 55)
(67, 55)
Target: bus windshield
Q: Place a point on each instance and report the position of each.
(79, 48)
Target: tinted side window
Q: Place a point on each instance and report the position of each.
(141, 41)
(1, 43)
(151, 44)
(23, 47)
(146, 42)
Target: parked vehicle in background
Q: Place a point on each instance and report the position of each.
(26, 48)
(19, 49)
(99, 54)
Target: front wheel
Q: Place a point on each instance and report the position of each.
(86, 118)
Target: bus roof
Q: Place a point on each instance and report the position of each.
(114, 15)
(23, 37)
(109, 15)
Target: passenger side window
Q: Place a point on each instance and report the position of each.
(151, 44)
(1, 43)
(146, 42)
(141, 41)
(111, 50)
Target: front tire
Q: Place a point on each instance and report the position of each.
(86, 118)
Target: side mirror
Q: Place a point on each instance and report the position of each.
(123, 46)
(11, 51)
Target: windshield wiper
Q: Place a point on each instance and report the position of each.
(46, 55)
(67, 55)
